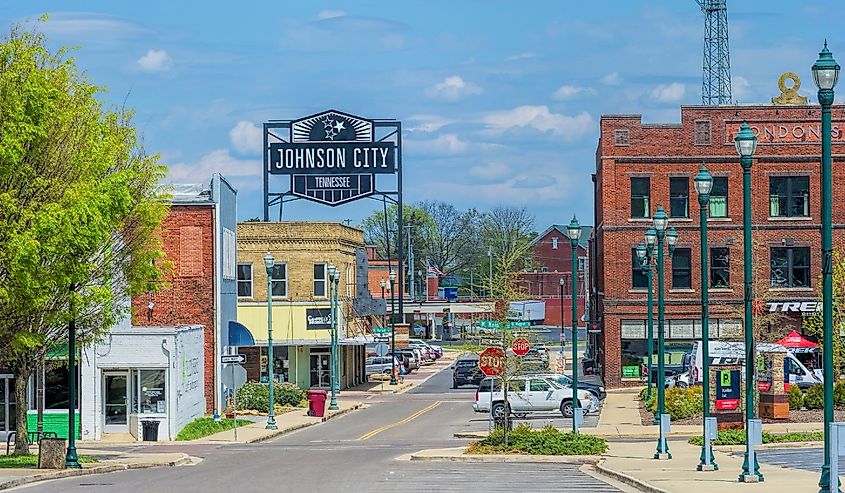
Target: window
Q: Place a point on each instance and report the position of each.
(719, 197)
(620, 137)
(152, 397)
(791, 267)
(245, 280)
(701, 136)
(679, 197)
(640, 195)
(280, 280)
(720, 272)
(681, 269)
(539, 385)
(319, 279)
(554, 243)
(516, 385)
(638, 278)
(789, 196)
(56, 390)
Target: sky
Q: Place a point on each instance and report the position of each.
(499, 100)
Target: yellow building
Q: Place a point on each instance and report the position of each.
(303, 251)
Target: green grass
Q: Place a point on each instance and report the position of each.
(205, 426)
(547, 441)
(737, 437)
(31, 460)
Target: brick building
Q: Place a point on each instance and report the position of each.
(640, 166)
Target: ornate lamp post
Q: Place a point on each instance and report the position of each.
(661, 221)
(334, 277)
(703, 185)
(392, 328)
(646, 257)
(746, 143)
(826, 74)
(574, 231)
(71, 458)
(562, 327)
(269, 263)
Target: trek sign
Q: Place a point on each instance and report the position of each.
(332, 157)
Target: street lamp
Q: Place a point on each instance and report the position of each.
(645, 256)
(574, 230)
(562, 328)
(703, 185)
(746, 143)
(269, 263)
(334, 277)
(661, 220)
(71, 458)
(382, 283)
(826, 74)
(392, 329)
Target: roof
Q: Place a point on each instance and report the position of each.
(561, 228)
(189, 193)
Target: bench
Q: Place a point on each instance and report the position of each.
(33, 436)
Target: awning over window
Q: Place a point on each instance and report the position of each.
(239, 335)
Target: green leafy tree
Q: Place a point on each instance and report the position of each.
(507, 233)
(814, 324)
(452, 240)
(378, 228)
(79, 207)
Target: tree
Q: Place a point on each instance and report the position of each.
(79, 207)
(815, 322)
(377, 231)
(506, 231)
(452, 242)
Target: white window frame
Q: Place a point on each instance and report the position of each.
(239, 281)
(284, 280)
(554, 243)
(324, 280)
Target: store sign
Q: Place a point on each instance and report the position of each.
(803, 307)
(332, 157)
(787, 131)
(318, 318)
(727, 389)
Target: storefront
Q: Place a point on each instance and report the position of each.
(7, 402)
(143, 374)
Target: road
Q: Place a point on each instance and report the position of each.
(809, 459)
(354, 452)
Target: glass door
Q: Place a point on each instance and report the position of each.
(7, 403)
(320, 370)
(116, 402)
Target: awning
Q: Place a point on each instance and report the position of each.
(796, 341)
(239, 335)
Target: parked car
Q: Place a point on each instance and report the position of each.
(465, 371)
(596, 390)
(379, 365)
(680, 380)
(428, 353)
(412, 361)
(438, 350)
(528, 394)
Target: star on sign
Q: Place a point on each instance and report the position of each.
(338, 126)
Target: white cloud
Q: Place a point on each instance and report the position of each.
(669, 93)
(535, 181)
(570, 128)
(443, 145)
(91, 30)
(328, 14)
(453, 88)
(740, 88)
(217, 161)
(520, 56)
(427, 123)
(611, 79)
(155, 61)
(246, 138)
(567, 92)
(490, 172)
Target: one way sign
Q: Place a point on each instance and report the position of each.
(233, 358)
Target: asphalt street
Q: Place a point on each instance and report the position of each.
(809, 459)
(353, 452)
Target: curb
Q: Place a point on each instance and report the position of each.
(578, 460)
(626, 479)
(278, 433)
(765, 446)
(87, 471)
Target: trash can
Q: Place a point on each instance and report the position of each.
(317, 403)
(149, 431)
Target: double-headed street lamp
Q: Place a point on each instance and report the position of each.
(746, 143)
(269, 264)
(392, 328)
(826, 74)
(703, 185)
(574, 230)
(646, 254)
(661, 221)
(334, 278)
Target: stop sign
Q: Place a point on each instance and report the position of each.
(520, 346)
(492, 361)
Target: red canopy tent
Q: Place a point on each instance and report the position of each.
(797, 343)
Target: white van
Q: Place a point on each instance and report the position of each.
(733, 353)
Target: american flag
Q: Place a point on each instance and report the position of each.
(432, 269)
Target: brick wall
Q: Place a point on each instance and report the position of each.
(788, 147)
(188, 240)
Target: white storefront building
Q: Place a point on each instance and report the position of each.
(142, 374)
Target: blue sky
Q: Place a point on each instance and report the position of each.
(500, 100)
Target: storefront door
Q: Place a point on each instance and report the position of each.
(116, 402)
(320, 369)
(7, 403)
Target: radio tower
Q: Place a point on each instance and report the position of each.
(716, 82)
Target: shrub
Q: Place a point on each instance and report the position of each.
(680, 403)
(839, 393)
(814, 398)
(254, 395)
(288, 393)
(547, 441)
(796, 398)
(737, 437)
(205, 426)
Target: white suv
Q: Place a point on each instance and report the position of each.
(528, 394)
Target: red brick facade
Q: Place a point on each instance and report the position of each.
(789, 146)
(188, 241)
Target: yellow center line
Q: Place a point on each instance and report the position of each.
(400, 422)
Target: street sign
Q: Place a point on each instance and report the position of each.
(519, 323)
(492, 361)
(233, 358)
(235, 377)
(490, 342)
(520, 346)
(381, 330)
(382, 349)
(489, 324)
(381, 339)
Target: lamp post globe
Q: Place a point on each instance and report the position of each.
(703, 184)
(650, 236)
(269, 265)
(745, 141)
(641, 251)
(826, 75)
(672, 238)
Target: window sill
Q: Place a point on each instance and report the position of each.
(639, 220)
(720, 290)
(684, 290)
(719, 219)
(680, 220)
(638, 290)
(790, 218)
(792, 290)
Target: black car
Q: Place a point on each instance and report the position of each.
(466, 371)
